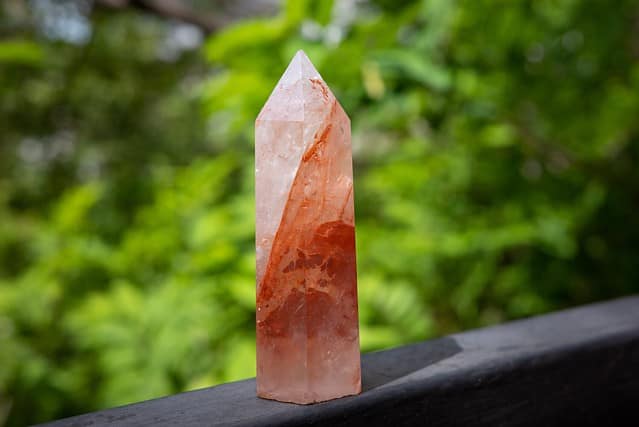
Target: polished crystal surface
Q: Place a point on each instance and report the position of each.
(307, 324)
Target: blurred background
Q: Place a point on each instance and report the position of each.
(496, 151)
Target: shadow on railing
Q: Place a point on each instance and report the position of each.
(382, 367)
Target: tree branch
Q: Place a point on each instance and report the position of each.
(173, 9)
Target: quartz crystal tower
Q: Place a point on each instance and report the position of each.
(307, 325)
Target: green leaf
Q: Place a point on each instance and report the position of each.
(22, 52)
(416, 66)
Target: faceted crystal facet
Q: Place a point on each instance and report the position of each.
(307, 325)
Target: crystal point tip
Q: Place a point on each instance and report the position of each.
(295, 91)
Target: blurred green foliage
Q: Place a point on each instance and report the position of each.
(497, 176)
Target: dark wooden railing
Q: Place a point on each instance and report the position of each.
(574, 367)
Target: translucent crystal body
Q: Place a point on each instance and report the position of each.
(307, 324)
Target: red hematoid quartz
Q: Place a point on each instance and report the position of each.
(307, 325)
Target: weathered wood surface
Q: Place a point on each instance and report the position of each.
(574, 367)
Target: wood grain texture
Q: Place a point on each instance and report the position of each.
(574, 367)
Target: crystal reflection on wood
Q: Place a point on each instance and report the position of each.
(307, 325)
